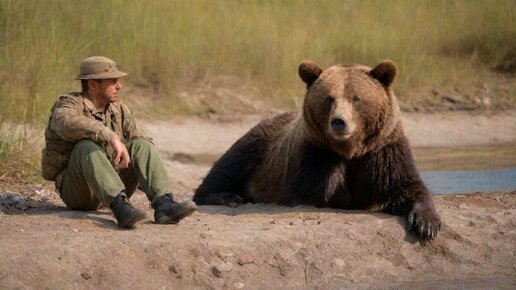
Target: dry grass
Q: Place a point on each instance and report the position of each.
(253, 47)
(176, 46)
(20, 148)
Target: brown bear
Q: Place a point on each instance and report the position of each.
(347, 149)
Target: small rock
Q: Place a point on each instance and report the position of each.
(172, 269)
(86, 275)
(224, 266)
(291, 223)
(10, 200)
(216, 272)
(463, 206)
(245, 259)
(238, 285)
(224, 254)
(75, 230)
(340, 263)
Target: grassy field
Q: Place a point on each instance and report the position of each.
(173, 47)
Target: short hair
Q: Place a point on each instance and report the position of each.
(84, 84)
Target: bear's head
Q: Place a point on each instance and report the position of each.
(350, 109)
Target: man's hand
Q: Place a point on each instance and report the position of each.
(121, 159)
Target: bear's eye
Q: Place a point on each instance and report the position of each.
(330, 99)
(356, 98)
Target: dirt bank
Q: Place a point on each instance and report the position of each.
(45, 246)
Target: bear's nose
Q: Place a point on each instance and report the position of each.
(338, 124)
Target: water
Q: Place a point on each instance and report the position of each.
(467, 169)
(446, 182)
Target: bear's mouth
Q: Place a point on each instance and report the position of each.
(341, 135)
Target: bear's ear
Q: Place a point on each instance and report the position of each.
(385, 72)
(308, 71)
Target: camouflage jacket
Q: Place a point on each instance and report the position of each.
(73, 118)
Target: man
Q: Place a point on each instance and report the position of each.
(98, 157)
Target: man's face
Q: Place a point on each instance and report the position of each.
(107, 90)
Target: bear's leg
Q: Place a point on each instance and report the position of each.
(391, 176)
(417, 207)
(226, 182)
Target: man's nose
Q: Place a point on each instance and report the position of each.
(118, 85)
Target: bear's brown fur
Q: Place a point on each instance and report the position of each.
(346, 149)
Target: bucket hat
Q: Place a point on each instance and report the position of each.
(99, 67)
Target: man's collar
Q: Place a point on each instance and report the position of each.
(91, 107)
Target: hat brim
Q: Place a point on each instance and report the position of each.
(100, 76)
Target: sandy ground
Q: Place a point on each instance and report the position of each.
(45, 246)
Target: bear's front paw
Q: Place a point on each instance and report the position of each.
(220, 198)
(230, 199)
(423, 221)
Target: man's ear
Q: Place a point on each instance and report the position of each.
(94, 84)
(385, 72)
(308, 71)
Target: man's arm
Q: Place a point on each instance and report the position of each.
(70, 124)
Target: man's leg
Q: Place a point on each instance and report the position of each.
(90, 181)
(147, 169)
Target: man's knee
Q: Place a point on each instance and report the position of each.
(139, 144)
(86, 146)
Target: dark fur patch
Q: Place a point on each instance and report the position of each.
(232, 171)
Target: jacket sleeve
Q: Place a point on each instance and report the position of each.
(130, 130)
(70, 124)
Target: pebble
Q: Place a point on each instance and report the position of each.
(10, 199)
(86, 275)
(224, 254)
(219, 268)
(245, 259)
(340, 263)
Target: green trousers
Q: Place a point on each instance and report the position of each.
(90, 181)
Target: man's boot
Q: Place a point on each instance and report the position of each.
(126, 215)
(167, 211)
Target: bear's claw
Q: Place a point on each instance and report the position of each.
(424, 221)
(231, 199)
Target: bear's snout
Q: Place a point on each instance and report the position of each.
(338, 124)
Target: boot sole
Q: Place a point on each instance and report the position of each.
(178, 216)
(136, 218)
